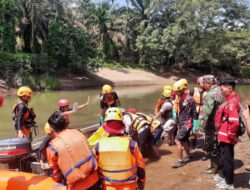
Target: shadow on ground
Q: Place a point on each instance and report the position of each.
(242, 180)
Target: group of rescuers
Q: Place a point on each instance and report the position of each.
(117, 162)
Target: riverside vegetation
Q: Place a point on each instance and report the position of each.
(43, 39)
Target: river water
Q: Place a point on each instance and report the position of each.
(44, 104)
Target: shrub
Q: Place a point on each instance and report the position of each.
(245, 71)
(49, 83)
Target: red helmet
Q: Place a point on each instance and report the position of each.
(132, 110)
(62, 103)
(1, 100)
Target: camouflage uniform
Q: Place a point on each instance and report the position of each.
(211, 102)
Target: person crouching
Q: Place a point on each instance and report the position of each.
(69, 155)
(121, 165)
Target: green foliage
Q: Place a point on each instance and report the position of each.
(69, 46)
(7, 26)
(49, 83)
(15, 68)
(204, 34)
(43, 82)
(245, 71)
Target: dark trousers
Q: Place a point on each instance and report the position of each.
(227, 161)
(144, 139)
(157, 134)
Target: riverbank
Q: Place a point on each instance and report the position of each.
(115, 77)
(123, 77)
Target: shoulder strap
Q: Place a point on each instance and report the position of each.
(191, 92)
(132, 146)
(167, 100)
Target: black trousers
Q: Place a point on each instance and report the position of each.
(144, 139)
(227, 161)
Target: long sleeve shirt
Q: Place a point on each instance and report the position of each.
(211, 102)
(228, 129)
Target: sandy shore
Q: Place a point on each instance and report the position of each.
(122, 77)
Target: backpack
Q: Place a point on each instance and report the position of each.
(242, 127)
(218, 120)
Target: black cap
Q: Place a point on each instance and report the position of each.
(228, 81)
(57, 121)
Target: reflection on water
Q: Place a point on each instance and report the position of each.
(141, 97)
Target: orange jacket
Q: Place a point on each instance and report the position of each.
(121, 164)
(68, 151)
(158, 104)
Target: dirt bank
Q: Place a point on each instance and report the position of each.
(160, 175)
(123, 77)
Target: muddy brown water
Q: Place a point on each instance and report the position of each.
(160, 175)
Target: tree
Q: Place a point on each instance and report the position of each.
(7, 25)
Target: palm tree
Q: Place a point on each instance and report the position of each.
(34, 16)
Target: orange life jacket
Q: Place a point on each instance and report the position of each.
(117, 164)
(27, 115)
(137, 121)
(154, 123)
(159, 103)
(75, 158)
(197, 96)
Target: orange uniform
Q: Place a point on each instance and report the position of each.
(121, 165)
(22, 117)
(69, 154)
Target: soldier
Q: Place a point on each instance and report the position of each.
(211, 102)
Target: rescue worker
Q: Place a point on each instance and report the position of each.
(121, 165)
(109, 98)
(227, 123)
(1, 100)
(197, 94)
(139, 129)
(23, 116)
(155, 125)
(186, 113)
(167, 121)
(43, 146)
(177, 98)
(211, 102)
(162, 99)
(65, 111)
(69, 155)
(63, 108)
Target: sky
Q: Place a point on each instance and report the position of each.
(123, 2)
(120, 2)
